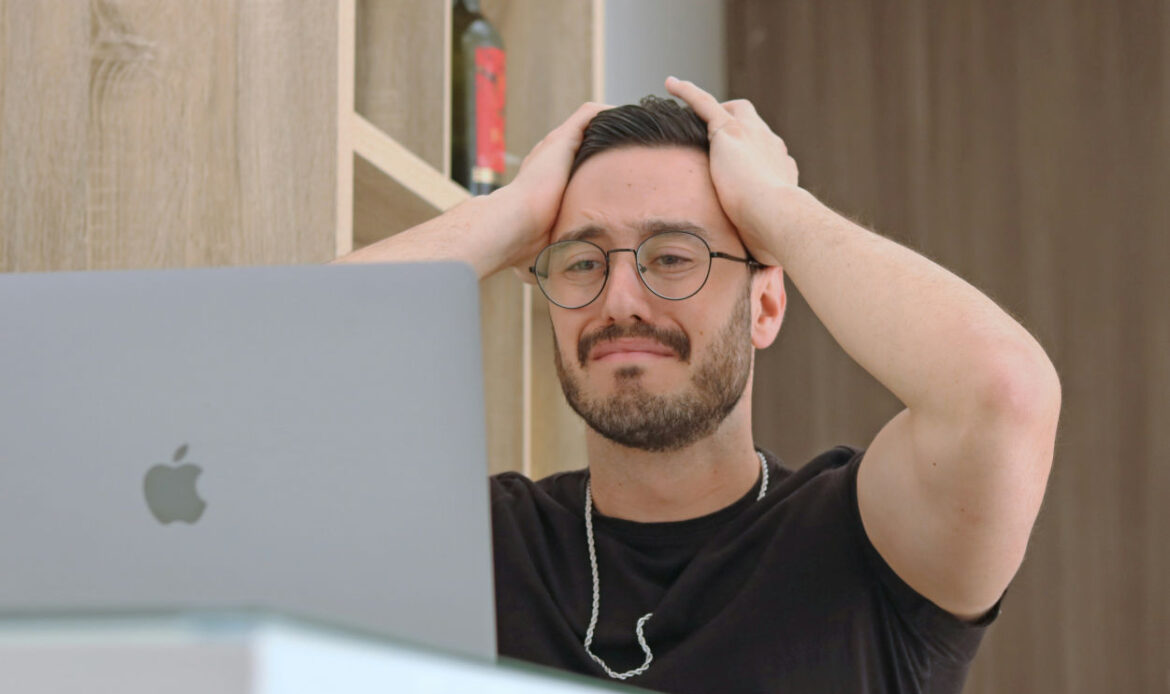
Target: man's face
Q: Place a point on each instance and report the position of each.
(648, 372)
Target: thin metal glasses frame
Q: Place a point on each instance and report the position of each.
(749, 261)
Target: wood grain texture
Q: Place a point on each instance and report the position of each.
(400, 84)
(343, 199)
(287, 130)
(44, 106)
(558, 434)
(141, 134)
(400, 163)
(500, 301)
(383, 206)
(1026, 147)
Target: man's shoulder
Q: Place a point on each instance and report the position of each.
(560, 488)
(837, 457)
(834, 461)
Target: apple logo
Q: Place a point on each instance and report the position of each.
(170, 491)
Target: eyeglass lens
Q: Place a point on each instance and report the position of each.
(673, 265)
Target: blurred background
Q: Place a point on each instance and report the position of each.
(1023, 145)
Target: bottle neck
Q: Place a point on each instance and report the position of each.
(469, 5)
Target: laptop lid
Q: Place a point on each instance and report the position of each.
(306, 439)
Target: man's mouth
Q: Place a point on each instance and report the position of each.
(627, 349)
(638, 341)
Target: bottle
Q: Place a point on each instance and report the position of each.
(477, 101)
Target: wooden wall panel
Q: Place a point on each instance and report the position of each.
(1025, 146)
(143, 134)
(44, 106)
(401, 83)
(502, 320)
(382, 206)
(286, 119)
(558, 434)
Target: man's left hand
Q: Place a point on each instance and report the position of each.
(749, 164)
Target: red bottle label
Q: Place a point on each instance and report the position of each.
(489, 115)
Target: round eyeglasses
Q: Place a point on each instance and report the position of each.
(672, 264)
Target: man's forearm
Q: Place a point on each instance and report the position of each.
(466, 233)
(931, 338)
(506, 228)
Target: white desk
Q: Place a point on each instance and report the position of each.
(243, 653)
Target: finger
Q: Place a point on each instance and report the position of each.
(707, 106)
(740, 107)
(745, 112)
(581, 117)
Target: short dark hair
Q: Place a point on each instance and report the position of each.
(652, 122)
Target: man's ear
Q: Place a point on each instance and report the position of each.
(769, 302)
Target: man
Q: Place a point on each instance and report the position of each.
(684, 559)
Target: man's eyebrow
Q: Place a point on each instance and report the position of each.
(655, 226)
(646, 228)
(585, 233)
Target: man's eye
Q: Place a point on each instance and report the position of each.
(667, 261)
(587, 265)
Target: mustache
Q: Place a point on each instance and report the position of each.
(675, 340)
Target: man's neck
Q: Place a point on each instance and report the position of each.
(702, 478)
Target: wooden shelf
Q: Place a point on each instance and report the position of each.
(431, 185)
(402, 58)
(382, 206)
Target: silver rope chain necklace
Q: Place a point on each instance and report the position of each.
(638, 629)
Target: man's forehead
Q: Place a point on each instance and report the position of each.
(632, 192)
(591, 231)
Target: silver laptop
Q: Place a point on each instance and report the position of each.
(307, 439)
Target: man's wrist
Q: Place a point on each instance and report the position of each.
(478, 240)
(779, 215)
(515, 221)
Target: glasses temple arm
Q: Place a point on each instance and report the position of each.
(749, 260)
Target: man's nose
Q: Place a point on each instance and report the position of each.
(625, 296)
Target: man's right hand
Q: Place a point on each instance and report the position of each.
(504, 229)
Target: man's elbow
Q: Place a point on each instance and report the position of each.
(1023, 390)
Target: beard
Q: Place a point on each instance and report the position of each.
(635, 418)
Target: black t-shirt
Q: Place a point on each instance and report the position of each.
(784, 594)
